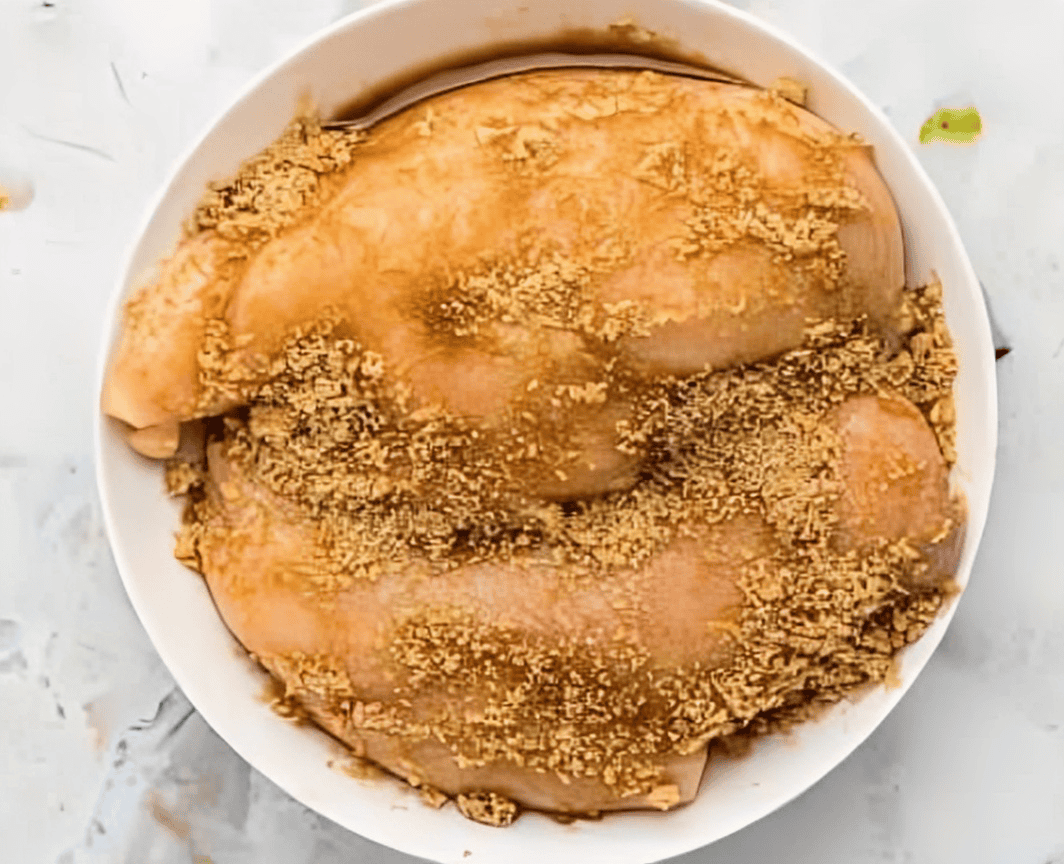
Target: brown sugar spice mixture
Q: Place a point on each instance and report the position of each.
(289, 179)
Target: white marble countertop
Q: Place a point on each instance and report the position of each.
(102, 760)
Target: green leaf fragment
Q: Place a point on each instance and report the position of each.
(956, 125)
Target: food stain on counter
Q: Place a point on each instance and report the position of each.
(953, 125)
(16, 190)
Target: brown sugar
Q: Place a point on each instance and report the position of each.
(487, 808)
(273, 190)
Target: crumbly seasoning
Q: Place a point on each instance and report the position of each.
(791, 90)
(551, 292)
(924, 368)
(735, 202)
(487, 808)
(223, 377)
(385, 483)
(816, 624)
(814, 627)
(288, 180)
(321, 675)
(330, 431)
(184, 478)
(732, 197)
(600, 96)
(527, 149)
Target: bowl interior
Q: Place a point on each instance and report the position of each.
(175, 607)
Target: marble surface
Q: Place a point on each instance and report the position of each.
(103, 760)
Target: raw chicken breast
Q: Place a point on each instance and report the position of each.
(680, 223)
(680, 607)
(896, 483)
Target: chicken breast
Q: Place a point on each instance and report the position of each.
(896, 484)
(677, 611)
(260, 550)
(662, 222)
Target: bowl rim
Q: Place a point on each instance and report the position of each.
(126, 280)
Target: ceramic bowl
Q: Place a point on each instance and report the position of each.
(336, 65)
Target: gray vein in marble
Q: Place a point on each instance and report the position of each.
(118, 83)
(74, 145)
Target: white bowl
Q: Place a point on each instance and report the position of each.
(175, 607)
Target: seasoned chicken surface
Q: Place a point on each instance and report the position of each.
(582, 423)
(681, 607)
(679, 223)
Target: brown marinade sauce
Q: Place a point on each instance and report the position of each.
(616, 39)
